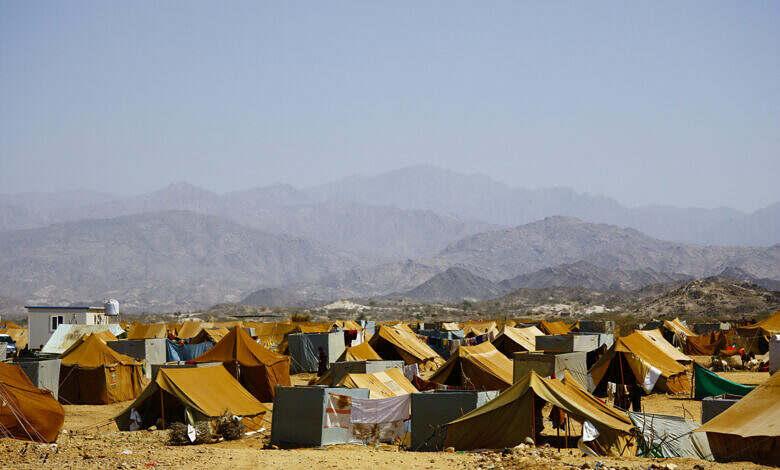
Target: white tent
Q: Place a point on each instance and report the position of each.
(66, 336)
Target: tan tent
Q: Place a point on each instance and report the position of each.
(190, 329)
(516, 414)
(657, 338)
(767, 327)
(19, 335)
(9, 325)
(750, 428)
(554, 327)
(451, 326)
(191, 395)
(709, 344)
(144, 331)
(361, 352)
(92, 373)
(513, 340)
(385, 384)
(479, 329)
(677, 327)
(396, 343)
(27, 412)
(256, 368)
(481, 367)
(637, 359)
(213, 335)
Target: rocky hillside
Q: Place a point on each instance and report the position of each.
(507, 253)
(715, 297)
(588, 276)
(164, 260)
(453, 285)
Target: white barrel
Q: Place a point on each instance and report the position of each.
(112, 307)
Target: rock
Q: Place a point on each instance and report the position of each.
(529, 441)
(585, 465)
(670, 466)
(152, 428)
(451, 450)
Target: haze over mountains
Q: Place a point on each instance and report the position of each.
(401, 232)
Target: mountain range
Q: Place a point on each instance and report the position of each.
(419, 232)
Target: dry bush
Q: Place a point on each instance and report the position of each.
(229, 427)
(177, 435)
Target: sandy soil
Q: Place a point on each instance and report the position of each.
(92, 441)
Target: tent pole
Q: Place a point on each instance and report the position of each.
(533, 418)
(162, 409)
(622, 380)
(567, 430)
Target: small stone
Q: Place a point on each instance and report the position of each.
(585, 465)
(451, 450)
(529, 441)
(152, 428)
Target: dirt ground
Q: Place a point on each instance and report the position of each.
(91, 440)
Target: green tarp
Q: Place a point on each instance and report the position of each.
(710, 384)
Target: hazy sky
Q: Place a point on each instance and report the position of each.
(647, 102)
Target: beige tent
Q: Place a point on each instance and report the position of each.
(19, 335)
(481, 367)
(637, 359)
(513, 340)
(190, 329)
(361, 352)
(398, 343)
(151, 331)
(92, 373)
(554, 327)
(516, 414)
(750, 428)
(385, 384)
(213, 335)
(658, 340)
(450, 326)
(191, 395)
(677, 327)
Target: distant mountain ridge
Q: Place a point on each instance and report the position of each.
(427, 190)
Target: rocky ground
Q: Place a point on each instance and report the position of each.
(90, 440)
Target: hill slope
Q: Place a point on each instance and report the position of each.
(164, 260)
(453, 285)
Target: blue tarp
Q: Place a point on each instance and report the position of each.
(185, 352)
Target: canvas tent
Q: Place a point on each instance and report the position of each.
(678, 329)
(385, 384)
(148, 331)
(92, 373)
(191, 395)
(636, 359)
(209, 335)
(710, 384)
(660, 342)
(19, 335)
(255, 367)
(361, 352)
(665, 436)
(479, 329)
(27, 412)
(554, 327)
(709, 344)
(750, 428)
(480, 367)
(767, 327)
(393, 342)
(512, 340)
(190, 329)
(512, 416)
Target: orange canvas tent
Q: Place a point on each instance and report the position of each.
(27, 412)
(255, 367)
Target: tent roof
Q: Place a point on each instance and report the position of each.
(214, 335)
(566, 394)
(767, 327)
(554, 327)
(384, 384)
(649, 352)
(361, 352)
(147, 331)
(190, 329)
(658, 339)
(92, 352)
(678, 327)
(65, 336)
(9, 325)
(525, 337)
(406, 341)
(19, 335)
(483, 356)
(755, 414)
(208, 390)
(450, 326)
(28, 412)
(238, 346)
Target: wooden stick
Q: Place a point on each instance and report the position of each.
(162, 408)
(567, 430)
(533, 418)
